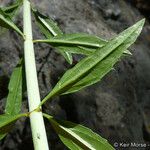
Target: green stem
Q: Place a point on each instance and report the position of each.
(36, 117)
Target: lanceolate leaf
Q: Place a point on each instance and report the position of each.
(49, 28)
(92, 68)
(78, 137)
(6, 22)
(102, 68)
(7, 122)
(14, 99)
(79, 43)
(76, 39)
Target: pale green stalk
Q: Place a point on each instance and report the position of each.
(36, 117)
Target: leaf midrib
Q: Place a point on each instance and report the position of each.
(68, 42)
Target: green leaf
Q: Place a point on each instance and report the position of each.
(78, 137)
(75, 39)
(73, 43)
(6, 22)
(92, 68)
(78, 43)
(7, 122)
(14, 99)
(49, 28)
(13, 9)
(85, 50)
(88, 44)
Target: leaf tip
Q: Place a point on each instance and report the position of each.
(141, 22)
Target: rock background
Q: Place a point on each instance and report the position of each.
(118, 107)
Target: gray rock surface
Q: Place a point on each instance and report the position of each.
(118, 107)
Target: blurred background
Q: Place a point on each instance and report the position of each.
(118, 107)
